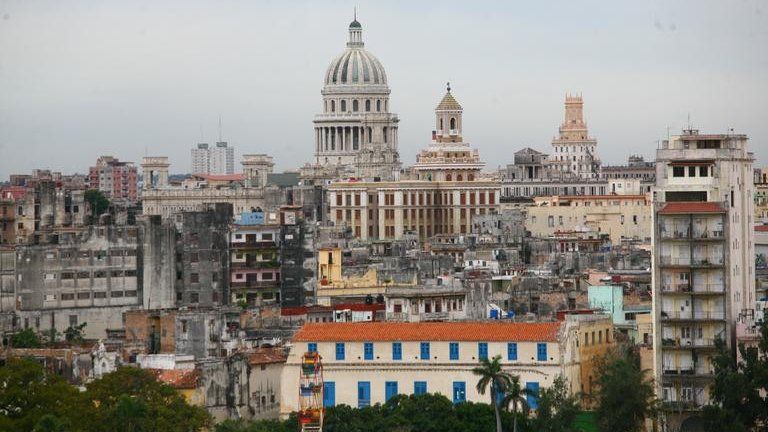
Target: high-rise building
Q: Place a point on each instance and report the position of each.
(116, 179)
(575, 152)
(356, 129)
(703, 263)
(219, 159)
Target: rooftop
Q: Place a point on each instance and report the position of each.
(490, 331)
(691, 207)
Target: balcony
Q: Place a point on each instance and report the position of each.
(251, 264)
(254, 284)
(669, 261)
(692, 316)
(397, 316)
(687, 343)
(434, 316)
(708, 262)
(253, 244)
(714, 288)
(708, 235)
(676, 233)
(685, 405)
(680, 288)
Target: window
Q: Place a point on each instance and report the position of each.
(453, 123)
(312, 347)
(329, 394)
(378, 105)
(453, 349)
(194, 277)
(512, 351)
(367, 105)
(194, 297)
(533, 394)
(459, 391)
(368, 351)
(419, 387)
(424, 351)
(390, 390)
(363, 394)
(482, 350)
(541, 352)
(355, 106)
(678, 171)
(343, 106)
(397, 351)
(704, 171)
(340, 354)
(692, 171)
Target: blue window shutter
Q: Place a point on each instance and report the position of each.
(397, 351)
(363, 394)
(453, 349)
(340, 354)
(368, 351)
(533, 394)
(512, 351)
(329, 394)
(419, 387)
(425, 350)
(390, 390)
(482, 350)
(541, 351)
(312, 347)
(459, 391)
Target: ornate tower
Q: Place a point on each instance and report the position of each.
(574, 150)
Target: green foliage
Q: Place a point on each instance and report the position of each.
(624, 392)
(74, 334)
(98, 203)
(129, 399)
(492, 375)
(740, 388)
(557, 411)
(26, 338)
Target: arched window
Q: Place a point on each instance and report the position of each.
(325, 104)
(386, 106)
(459, 177)
(355, 107)
(453, 123)
(343, 106)
(333, 106)
(441, 124)
(448, 177)
(367, 105)
(378, 105)
(470, 177)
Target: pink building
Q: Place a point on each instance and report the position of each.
(116, 179)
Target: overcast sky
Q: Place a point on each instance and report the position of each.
(79, 79)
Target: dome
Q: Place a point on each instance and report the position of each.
(355, 66)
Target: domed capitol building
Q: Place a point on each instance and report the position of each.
(355, 131)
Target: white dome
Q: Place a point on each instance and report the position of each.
(355, 66)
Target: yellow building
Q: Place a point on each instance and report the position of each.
(619, 216)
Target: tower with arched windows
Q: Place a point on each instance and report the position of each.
(575, 152)
(355, 130)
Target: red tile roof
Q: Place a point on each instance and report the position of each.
(221, 177)
(266, 356)
(177, 378)
(761, 228)
(692, 207)
(490, 331)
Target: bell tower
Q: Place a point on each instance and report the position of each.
(448, 119)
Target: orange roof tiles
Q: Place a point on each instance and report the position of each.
(428, 331)
(692, 207)
(177, 378)
(266, 356)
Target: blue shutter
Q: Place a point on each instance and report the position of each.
(533, 394)
(363, 394)
(425, 350)
(312, 347)
(419, 387)
(340, 354)
(329, 394)
(482, 350)
(390, 390)
(453, 347)
(541, 351)
(512, 351)
(459, 391)
(368, 351)
(397, 351)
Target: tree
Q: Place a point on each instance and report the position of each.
(740, 388)
(26, 338)
(32, 398)
(624, 393)
(515, 395)
(133, 399)
(492, 375)
(98, 203)
(557, 410)
(74, 334)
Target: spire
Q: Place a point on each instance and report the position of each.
(355, 32)
(448, 86)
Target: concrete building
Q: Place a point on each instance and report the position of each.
(255, 259)
(219, 159)
(116, 179)
(90, 278)
(636, 168)
(427, 303)
(266, 366)
(367, 363)
(621, 217)
(356, 129)
(761, 195)
(704, 262)
(574, 151)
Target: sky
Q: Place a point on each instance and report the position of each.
(79, 79)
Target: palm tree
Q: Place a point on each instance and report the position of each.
(516, 395)
(492, 375)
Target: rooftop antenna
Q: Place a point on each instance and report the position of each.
(219, 127)
(689, 120)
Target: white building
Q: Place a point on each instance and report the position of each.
(574, 151)
(219, 159)
(367, 363)
(703, 262)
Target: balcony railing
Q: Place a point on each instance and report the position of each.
(708, 288)
(676, 288)
(708, 235)
(674, 261)
(687, 343)
(397, 316)
(434, 316)
(675, 233)
(255, 284)
(251, 244)
(707, 262)
(692, 315)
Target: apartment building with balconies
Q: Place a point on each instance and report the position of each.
(703, 263)
(255, 259)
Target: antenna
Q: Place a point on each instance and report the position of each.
(689, 120)
(219, 127)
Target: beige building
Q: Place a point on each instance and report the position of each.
(621, 217)
(445, 195)
(761, 195)
(575, 152)
(703, 263)
(367, 363)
